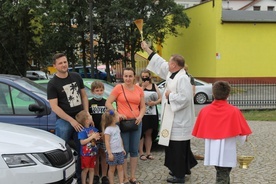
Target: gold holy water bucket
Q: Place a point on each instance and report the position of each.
(245, 160)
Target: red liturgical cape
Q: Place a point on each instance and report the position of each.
(220, 120)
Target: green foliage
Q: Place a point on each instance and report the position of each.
(237, 90)
(58, 33)
(115, 28)
(34, 30)
(260, 115)
(16, 35)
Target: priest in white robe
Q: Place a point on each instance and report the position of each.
(177, 116)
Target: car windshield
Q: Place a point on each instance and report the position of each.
(33, 87)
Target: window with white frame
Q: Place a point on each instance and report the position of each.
(270, 8)
(256, 8)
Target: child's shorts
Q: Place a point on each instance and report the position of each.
(118, 159)
(88, 161)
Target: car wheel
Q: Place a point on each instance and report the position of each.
(200, 98)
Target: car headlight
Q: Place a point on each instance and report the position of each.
(18, 160)
(42, 158)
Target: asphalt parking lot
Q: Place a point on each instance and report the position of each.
(261, 170)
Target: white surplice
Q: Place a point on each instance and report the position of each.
(222, 152)
(178, 115)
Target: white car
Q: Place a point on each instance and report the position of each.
(203, 91)
(29, 155)
(36, 75)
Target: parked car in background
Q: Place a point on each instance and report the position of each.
(98, 74)
(87, 83)
(29, 155)
(24, 102)
(36, 75)
(203, 91)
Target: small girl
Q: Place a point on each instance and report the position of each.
(114, 145)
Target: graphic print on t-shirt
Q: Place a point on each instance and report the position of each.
(72, 93)
(95, 109)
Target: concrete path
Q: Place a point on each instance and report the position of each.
(261, 171)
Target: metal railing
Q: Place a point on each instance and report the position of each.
(253, 94)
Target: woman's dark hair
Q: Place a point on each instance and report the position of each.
(145, 71)
(221, 90)
(129, 68)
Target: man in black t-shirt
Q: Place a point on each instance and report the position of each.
(67, 97)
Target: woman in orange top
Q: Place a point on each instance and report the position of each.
(135, 97)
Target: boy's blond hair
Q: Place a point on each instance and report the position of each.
(81, 117)
(96, 84)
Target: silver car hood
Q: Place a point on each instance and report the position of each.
(22, 139)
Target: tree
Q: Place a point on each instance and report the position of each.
(107, 28)
(16, 36)
(34, 30)
(161, 18)
(59, 34)
(66, 27)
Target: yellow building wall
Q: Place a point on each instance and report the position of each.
(247, 50)
(197, 43)
(213, 49)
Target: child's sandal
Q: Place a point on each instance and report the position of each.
(150, 157)
(143, 157)
(134, 181)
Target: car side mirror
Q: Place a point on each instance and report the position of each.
(35, 108)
